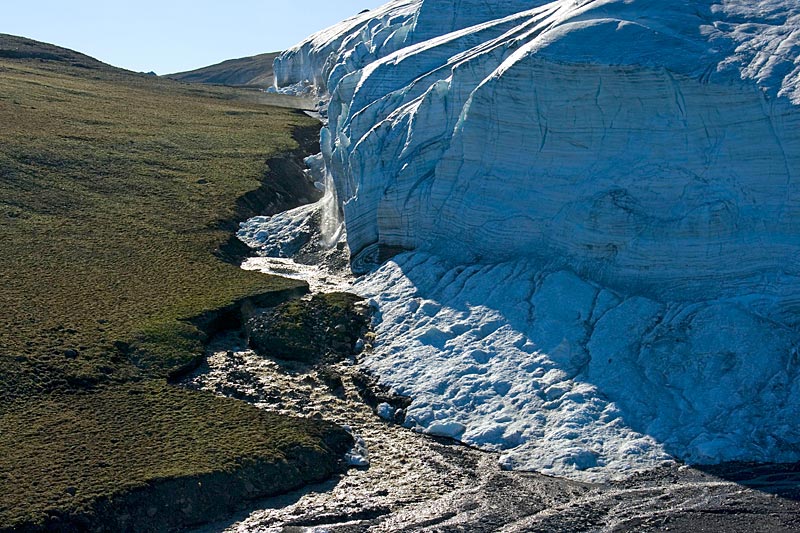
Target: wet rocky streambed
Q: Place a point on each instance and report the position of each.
(404, 481)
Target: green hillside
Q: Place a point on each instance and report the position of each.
(117, 192)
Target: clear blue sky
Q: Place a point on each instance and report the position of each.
(173, 35)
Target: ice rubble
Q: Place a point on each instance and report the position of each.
(602, 203)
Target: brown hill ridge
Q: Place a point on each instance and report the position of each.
(254, 71)
(14, 47)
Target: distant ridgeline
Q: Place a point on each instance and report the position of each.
(13, 47)
(637, 161)
(253, 72)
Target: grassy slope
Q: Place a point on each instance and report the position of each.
(255, 71)
(112, 189)
(117, 459)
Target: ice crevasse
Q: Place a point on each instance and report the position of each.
(592, 211)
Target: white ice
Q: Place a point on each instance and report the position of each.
(568, 378)
(602, 212)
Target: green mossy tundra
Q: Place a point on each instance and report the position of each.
(116, 190)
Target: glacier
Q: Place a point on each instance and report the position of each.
(584, 219)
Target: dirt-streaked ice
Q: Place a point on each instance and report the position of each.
(601, 209)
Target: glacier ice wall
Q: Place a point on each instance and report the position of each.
(648, 148)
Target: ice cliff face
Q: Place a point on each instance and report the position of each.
(620, 181)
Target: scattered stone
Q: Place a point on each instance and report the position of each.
(359, 347)
(333, 380)
(374, 393)
(358, 456)
(385, 411)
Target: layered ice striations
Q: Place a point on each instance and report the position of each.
(615, 137)
(635, 157)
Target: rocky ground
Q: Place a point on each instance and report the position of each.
(418, 483)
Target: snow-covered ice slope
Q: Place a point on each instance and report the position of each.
(618, 180)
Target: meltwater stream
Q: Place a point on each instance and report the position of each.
(463, 344)
(417, 482)
(305, 243)
(601, 197)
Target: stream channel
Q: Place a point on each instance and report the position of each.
(405, 481)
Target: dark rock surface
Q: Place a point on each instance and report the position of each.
(323, 328)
